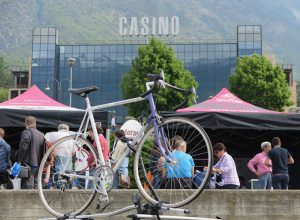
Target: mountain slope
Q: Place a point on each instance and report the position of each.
(93, 20)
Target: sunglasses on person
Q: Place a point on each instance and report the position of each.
(217, 150)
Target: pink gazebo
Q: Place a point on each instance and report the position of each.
(225, 101)
(35, 99)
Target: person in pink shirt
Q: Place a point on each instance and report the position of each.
(103, 143)
(262, 171)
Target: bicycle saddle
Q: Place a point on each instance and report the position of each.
(83, 91)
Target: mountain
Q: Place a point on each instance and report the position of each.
(98, 20)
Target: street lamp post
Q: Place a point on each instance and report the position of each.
(71, 62)
(59, 86)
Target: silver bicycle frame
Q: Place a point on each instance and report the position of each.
(89, 118)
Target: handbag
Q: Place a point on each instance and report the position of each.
(24, 171)
(20, 170)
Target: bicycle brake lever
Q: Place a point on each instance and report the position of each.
(162, 75)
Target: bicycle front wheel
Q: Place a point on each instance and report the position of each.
(63, 183)
(169, 182)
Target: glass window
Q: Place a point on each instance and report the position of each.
(113, 48)
(203, 55)
(180, 48)
(98, 56)
(249, 29)
(51, 39)
(52, 31)
(241, 37)
(113, 56)
(249, 37)
(98, 49)
(51, 46)
(257, 29)
(127, 48)
(35, 54)
(219, 47)
(90, 63)
(241, 29)
(44, 31)
(75, 49)
(233, 47)
(44, 39)
(211, 55)
(188, 48)
(226, 54)
(51, 62)
(196, 48)
(211, 47)
(257, 37)
(44, 46)
(36, 39)
(91, 49)
(219, 55)
(36, 31)
(36, 47)
(203, 48)
(105, 49)
(62, 49)
(256, 45)
(180, 56)
(249, 45)
(196, 55)
(226, 47)
(90, 56)
(69, 49)
(43, 54)
(242, 45)
(83, 49)
(51, 54)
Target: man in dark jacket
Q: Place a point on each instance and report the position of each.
(31, 151)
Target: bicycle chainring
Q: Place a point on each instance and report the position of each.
(103, 177)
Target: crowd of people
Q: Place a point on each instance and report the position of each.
(270, 165)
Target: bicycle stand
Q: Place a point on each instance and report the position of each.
(144, 211)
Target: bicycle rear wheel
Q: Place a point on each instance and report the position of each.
(149, 164)
(62, 184)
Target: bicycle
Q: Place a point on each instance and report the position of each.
(70, 183)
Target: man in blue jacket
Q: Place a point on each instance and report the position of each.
(4, 158)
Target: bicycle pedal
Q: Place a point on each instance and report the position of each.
(102, 206)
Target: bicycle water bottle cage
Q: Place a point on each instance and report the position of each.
(83, 92)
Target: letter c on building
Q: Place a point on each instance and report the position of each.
(122, 26)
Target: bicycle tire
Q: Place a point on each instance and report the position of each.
(60, 198)
(198, 146)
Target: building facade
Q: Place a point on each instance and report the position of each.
(104, 64)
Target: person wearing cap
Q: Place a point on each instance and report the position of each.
(280, 158)
(226, 167)
(260, 169)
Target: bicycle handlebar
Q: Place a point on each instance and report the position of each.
(158, 79)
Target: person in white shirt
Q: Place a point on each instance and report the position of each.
(63, 152)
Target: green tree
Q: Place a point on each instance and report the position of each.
(151, 58)
(5, 76)
(3, 94)
(257, 81)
